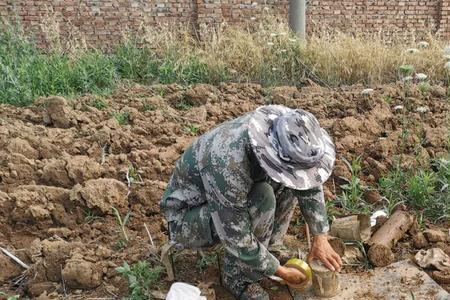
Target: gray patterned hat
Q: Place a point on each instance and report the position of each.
(291, 146)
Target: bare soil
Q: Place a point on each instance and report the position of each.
(64, 164)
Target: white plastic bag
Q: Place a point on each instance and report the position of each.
(184, 291)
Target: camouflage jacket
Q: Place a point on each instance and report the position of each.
(220, 168)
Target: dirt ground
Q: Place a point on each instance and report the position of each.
(64, 164)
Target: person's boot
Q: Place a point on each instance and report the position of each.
(254, 291)
(243, 290)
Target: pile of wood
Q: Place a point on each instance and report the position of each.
(380, 239)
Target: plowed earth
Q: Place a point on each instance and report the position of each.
(64, 164)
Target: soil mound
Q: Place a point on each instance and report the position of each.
(65, 163)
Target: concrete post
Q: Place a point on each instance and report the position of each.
(297, 17)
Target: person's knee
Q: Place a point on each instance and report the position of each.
(263, 196)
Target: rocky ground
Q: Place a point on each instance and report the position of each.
(65, 163)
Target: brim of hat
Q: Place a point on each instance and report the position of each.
(291, 175)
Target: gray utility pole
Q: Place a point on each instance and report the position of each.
(297, 17)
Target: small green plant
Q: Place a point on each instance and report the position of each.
(141, 277)
(149, 107)
(184, 105)
(90, 216)
(161, 92)
(205, 260)
(388, 99)
(421, 187)
(98, 104)
(133, 175)
(389, 185)
(9, 297)
(122, 223)
(352, 192)
(192, 129)
(406, 70)
(423, 87)
(426, 190)
(123, 118)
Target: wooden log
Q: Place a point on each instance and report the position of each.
(356, 227)
(325, 282)
(381, 243)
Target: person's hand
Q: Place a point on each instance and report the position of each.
(323, 251)
(290, 275)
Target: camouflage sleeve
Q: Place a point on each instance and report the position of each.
(312, 205)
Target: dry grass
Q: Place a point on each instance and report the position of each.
(271, 55)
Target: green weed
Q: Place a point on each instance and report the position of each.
(133, 175)
(123, 118)
(388, 99)
(98, 104)
(141, 277)
(423, 87)
(149, 107)
(184, 105)
(406, 70)
(192, 129)
(351, 198)
(426, 190)
(90, 216)
(9, 297)
(122, 223)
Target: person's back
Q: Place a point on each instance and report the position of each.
(232, 185)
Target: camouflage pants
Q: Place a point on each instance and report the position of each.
(270, 217)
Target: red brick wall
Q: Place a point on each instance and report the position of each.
(103, 21)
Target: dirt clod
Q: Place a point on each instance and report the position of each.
(81, 274)
(420, 241)
(57, 112)
(434, 235)
(101, 194)
(372, 196)
(9, 269)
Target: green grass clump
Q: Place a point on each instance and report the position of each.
(426, 190)
(192, 129)
(27, 72)
(141, 278)
(123, 118)
(98, 104)
(351, 198)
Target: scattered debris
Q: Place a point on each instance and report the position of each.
(420, 76)
(433, 258)
(367, 92)
(422, 109)
(15, 258)
(184, 291)
(423, 44)
(376, 215)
